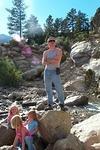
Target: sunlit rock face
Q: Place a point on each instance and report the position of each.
(94, 64)
(88, 131)
(81, 52)
(55, 125)
(69, 143)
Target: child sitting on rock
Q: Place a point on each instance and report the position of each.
(31, 122)
(21, 134)
(31, 125)
(13, 110)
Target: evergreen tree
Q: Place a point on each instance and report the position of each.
(57, 26)
(34, 32)
(32, 27)
(49, 26)
(71, 19)
(64, 27)
(82, 22)
(16, 19)
(95, 21)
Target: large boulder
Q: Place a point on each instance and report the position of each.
(95, 146)
(79, 100)
(7, 135)
(77, 84)
(55, 125)
(81, 52)
(69, 143)
(8, 148)
(33, 73)
(88, 131)
(94, 65)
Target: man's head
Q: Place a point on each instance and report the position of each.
(51, 39)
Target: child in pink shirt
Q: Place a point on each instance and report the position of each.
(13, 110)
(21, 132)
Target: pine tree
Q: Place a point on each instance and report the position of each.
(32, 27)
(71, 19)
(49, 26)
(95, 21)
(16, 19)
(82, 22)
(57, 26)
(34, 32)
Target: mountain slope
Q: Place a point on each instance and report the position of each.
(5, 38)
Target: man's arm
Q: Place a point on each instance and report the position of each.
(44, 59)
(57, 59)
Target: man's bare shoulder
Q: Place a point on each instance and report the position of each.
(46, 51)
(59, 49)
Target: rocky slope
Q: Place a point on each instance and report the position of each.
(80, 81)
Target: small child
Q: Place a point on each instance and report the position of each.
(21, 133)
(31, 125)
(31, 122)
(13, 110)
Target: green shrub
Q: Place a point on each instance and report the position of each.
(9, 74)
(64, 43)
(81, 36)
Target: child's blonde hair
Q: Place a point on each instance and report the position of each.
(12, 107)
(16, 121)
(33, 114)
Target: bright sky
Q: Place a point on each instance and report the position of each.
(43, 8)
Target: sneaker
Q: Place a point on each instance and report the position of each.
(49, 107)
(63, 108)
